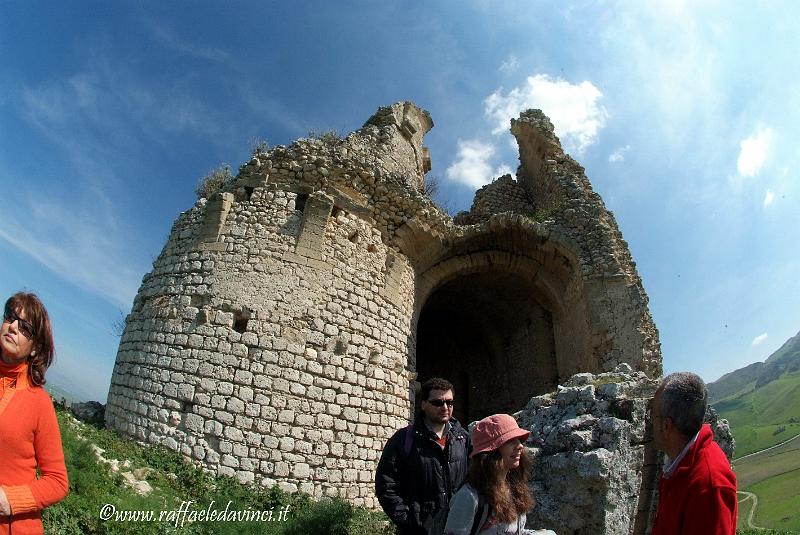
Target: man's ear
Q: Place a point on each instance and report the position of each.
(667, 424)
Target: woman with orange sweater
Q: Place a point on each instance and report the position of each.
(29, 434)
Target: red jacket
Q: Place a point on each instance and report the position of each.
(700, 496)
(29, 439)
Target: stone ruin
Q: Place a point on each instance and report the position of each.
(280, 335)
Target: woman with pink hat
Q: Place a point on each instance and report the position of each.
(496, 497)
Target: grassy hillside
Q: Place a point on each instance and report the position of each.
(772, 475)
(97, 491)
(762, 404)
(778, 502)
(765, 416)
(777, 461)
(762, 401)
(735, 382)
(785, 360)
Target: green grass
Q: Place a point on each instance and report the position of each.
(752, 470)
(763, 532)
(742, 513)
(778, 501)
(768, 475)
(753, 439)
(93, 485)
(756, 415)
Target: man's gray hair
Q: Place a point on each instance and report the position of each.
(684, 399)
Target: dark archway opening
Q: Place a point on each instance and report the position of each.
(491, 336)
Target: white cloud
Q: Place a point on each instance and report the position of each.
(509, 64)
(83, 244)
(503, 169)
(472, 165)
(758, 340)
(769, 198)
(574, 109)
(619, 154)
(753, 152)
(170, 38)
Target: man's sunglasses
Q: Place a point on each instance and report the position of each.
(23, 326)
(440, 402)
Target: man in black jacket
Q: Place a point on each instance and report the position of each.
(424, 464)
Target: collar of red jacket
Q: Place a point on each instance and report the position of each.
(11, 373)
(703, 437)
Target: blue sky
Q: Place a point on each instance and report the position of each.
(685, 116)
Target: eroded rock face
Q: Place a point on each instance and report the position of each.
(282, 330)
(593, 471)
(722, 432)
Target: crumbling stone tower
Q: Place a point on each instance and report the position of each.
(281, 331)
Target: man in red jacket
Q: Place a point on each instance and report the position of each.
(697, 490)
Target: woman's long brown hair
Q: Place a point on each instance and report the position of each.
(43, 348)
(510, 500)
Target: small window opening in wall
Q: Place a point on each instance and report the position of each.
(300, 201)
(248, 192)
(240, 320)
(354, 237)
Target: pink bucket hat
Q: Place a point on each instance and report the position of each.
(494, 431)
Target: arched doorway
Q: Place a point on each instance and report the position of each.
(492, 334)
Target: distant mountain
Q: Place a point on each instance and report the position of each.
(734, 382)
(785, 359)
(60, 394)
(761, 401)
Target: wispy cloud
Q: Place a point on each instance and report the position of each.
(101, 119)
(510, 64)
(82, 244)
(619, 154)
(753, 152)
(769, 198)
(760, 339)
(269, 109)
(574, 109)
(472, 164)
(170, 38)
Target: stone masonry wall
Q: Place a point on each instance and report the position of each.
(275, 339)
(504, 194)
(304, 394)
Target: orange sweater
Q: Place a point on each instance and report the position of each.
(29, 438)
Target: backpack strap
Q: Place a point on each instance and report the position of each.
(408, 440)
(481, 514)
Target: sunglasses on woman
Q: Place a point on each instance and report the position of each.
(23, 326)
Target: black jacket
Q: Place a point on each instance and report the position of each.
(415, 489)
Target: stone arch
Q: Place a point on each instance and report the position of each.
(504, 315)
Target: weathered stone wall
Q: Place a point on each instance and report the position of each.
(504, 194)
(281, 332)
(303, 389)
(590, 447)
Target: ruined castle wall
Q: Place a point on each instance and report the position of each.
(622, 330)
(279, 336)
(504, 194)
(309, 390)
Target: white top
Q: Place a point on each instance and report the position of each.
(463, 507)
(670, 465)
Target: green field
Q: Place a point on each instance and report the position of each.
(744, 511)
(757, 416)
(782, 459)
(778, 501)
(773, 476)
